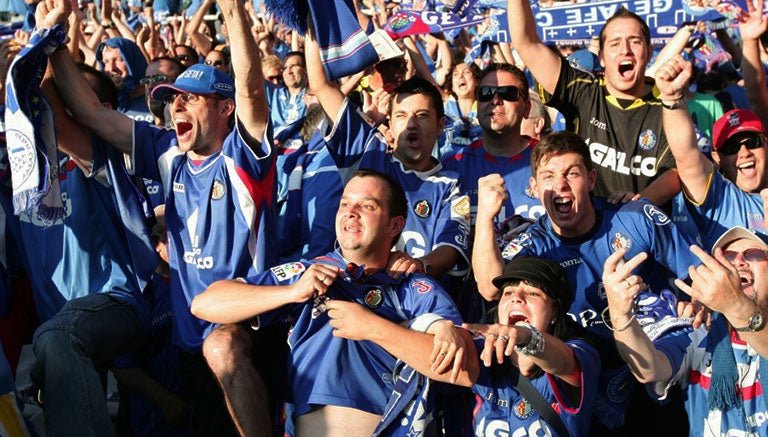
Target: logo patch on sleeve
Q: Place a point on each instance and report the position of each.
(288, 270)
(620, 241)
(656, 215)
(422, 286)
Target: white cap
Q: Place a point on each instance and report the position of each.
(737, 233)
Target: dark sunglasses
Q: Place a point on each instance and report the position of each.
(508, 93)
(214, 63)
(751, 143)
(153, 79)
(750, 255)
(183, 58)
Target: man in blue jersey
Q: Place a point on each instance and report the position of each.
(88, 268)
(219, 187)
(617, 114)
(340, 386)
(580, 232)
(122, 60)
(502, 104)
(436, 233)
(722, 369)
(287, 101)
(715, 200)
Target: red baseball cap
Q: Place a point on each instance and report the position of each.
(733, 122)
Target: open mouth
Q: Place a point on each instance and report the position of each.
(183, 128)
(625, 69)
(563, 206)
(516, 317)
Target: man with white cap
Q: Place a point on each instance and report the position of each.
(715, 200)
(721, 369)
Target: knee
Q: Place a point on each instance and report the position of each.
(226, 348)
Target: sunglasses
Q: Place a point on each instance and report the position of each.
(508, 93)
(183, 58)
(186, 97)
(214, 63)
(154, 79)
(750, 255)
(733, 147)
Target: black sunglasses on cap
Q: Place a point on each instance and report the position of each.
(509, 93)
(732, 146)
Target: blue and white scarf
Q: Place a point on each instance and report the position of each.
(31, 135)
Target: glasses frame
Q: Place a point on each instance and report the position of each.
(509, 93)
(753, 254)
(751, 143)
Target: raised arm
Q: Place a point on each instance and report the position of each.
(645, 362)
(543, 63)
(693, 168)
(328, 94)
(110, 125)
(250, 95)
(751, 27)
(487, 262)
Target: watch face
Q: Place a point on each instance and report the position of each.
(756, 322)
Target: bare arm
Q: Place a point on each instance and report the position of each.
(663, 188)
(751, 67)
(693, 168)
(353, 321)
(645, 362)
(328, 94)
(73, 139)
(201, 42)
(250, 95)
(232, 301)
(543, 63)
(110, 125)
(487, 262)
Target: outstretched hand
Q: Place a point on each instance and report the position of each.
(52, 12)
(672, 78)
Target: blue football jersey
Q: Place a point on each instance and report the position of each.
(725, 206)
(219, 214)
(91, 249)
(474, 162)
(308, 194)
(437, 213)
(325, 370)
(690, 355)
(502, 410)
(637, 226)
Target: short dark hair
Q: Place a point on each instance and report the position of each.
(626, 13)
(417, 85)
(292, 54)
(556, 144)
(397, 202)
(503, 66)
(102, 85)
(176, 63)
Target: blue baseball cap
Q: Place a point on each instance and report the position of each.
(585, 60)
(198, 79)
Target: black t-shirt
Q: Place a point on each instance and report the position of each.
(626, 142)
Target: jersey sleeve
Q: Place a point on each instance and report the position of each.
(153, 149)
(572, 86)
(252, 162)
(426, 295)
(589, 363)
(452, 227)
(350, 136)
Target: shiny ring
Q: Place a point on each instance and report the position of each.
(492, 336)
(504, 338)
(629, 283)
(321, 277)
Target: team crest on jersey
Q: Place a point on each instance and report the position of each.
(656, 215)
(620, 241)
(422, 287)
(647, 139)
(373, 298)
(461, 208)
(529, 192)
(288, 270)
(423, 209)
(178, 187)
(522, 409)
(218, 190)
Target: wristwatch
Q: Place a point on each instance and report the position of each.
(756, 323)
(535, 345)
(426, 266)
